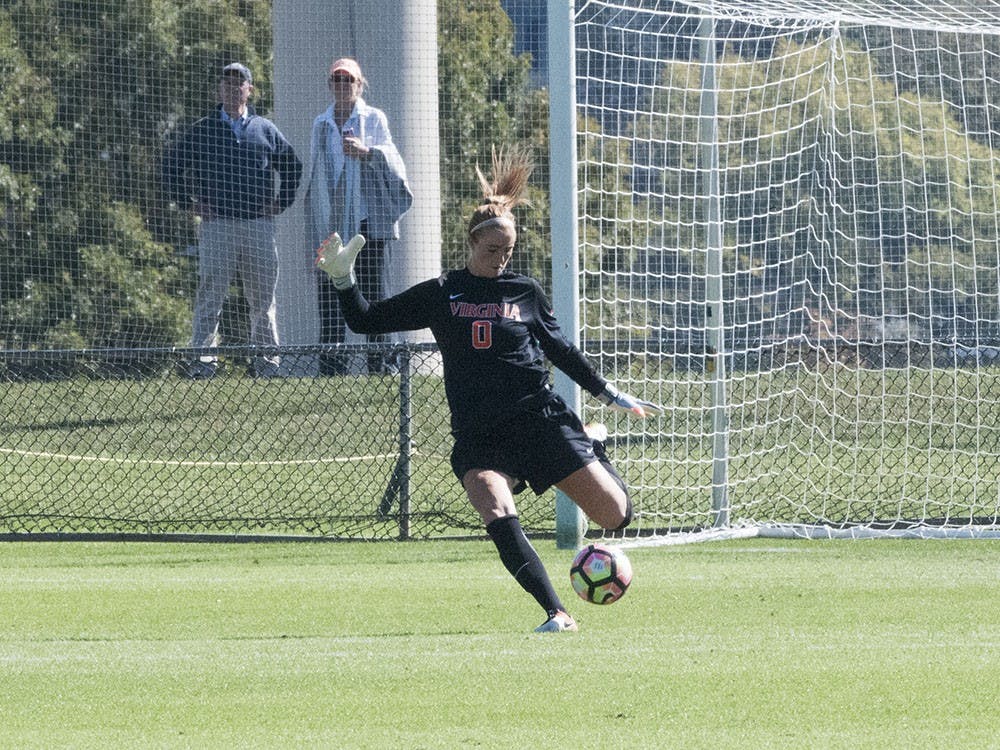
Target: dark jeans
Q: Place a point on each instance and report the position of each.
(332, 328)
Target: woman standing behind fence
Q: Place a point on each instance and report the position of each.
(357, 185)
(494, 329)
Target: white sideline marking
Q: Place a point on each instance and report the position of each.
(221, 464)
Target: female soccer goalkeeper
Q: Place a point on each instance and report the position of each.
(510, 429)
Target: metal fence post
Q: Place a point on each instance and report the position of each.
(405, 438)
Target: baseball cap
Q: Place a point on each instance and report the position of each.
(349, 66)
(239, 68)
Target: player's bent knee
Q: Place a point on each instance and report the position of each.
(629, 513)
(604, 501)
(616, 519)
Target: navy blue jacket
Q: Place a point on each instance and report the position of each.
(235, 176)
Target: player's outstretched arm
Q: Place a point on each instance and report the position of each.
(614, 398)
(337, 260)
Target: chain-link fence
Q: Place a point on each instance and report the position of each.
(121, 442)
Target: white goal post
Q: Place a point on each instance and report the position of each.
(788, 223)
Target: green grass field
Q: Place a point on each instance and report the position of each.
(741, 644)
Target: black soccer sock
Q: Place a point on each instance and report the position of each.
(522, 562)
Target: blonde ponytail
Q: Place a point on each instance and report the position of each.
(512, 168)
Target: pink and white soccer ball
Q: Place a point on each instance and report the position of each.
(600, 574)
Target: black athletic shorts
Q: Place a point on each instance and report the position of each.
(540, 446)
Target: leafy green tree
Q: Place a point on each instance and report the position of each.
(832, 179)
(924, 190)
(960, 67)
(485, 100)
(91, 90)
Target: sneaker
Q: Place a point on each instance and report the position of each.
(200, 370)
(333, 364)
(264, 369)
(558, 622)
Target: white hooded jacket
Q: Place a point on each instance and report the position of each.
(376, 186)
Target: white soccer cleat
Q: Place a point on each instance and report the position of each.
(558, 622)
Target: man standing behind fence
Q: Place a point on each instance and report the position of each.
(224, 170)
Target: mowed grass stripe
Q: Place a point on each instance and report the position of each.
(429, 645)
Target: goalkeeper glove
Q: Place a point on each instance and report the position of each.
(337, 260)
(614, 398)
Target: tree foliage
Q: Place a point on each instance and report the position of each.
(840, 190)
(485, 100)
(90, 91)
(851, 169)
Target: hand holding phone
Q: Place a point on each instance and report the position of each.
(352, 144)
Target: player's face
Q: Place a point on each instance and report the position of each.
(491, 251)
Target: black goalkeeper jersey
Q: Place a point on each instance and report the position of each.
(493, 334)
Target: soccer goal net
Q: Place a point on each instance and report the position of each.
(789, 237)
